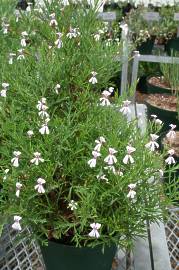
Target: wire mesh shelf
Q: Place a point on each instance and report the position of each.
(172, 234)
(19, 254)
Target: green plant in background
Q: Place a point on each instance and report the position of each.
(72, 167)
(171, 78)
(140, 29)
(168, 26)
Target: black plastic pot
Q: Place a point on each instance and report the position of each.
(62, 257)
(23, 4)
(167, 117)
(146, 47)
(154, 89)
(126, 9)
(116, 81)
(172, 46)
(142, 85)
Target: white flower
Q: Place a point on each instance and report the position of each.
(113, 170)
(11, 58)
(170, 160)
(37, 158)
(17, 14)
(43, 114)
(158, 122)
(152, 145)
(41, 105)
(59, 42)
(161, 172)
(5, 85)
(44, 129)
(18, 188)
(16, 225)
(5, 176)
(23, 39)
(99, 143)
(72, 205)
(4, 90)
(73, 33)
(128, 158)
(111, 89)
(3, 93)
(172, 126)
(29, 7)
(21, 54)
(23, 42)
(111, 159)
(102, 177)
(97, 37)
(95, 227)
(15, 160)
(171, 135)
(154, 116)
(92, 162)
(93, 79)
(6, 171)
(5, 28)
(30, 133)
(53, 21)
(39, 187)
(104, 100)
(131, 193)
(110, 169)
(57, 88)
(125, 109)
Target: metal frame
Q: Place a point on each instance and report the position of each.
(149, 58)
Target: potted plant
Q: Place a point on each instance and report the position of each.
(163, 101)
(142, 34)
(166, 81)
(168, 28)
(73, 168)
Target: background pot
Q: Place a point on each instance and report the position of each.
(62, 257)
(172, 45)
(142, 84)
(155, 89)
(146, 47)
(167, 117)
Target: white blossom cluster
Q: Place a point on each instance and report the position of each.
(111, 160)
(42, 108)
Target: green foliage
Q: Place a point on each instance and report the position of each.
(171, 77)
(76, 121)
(142, 30)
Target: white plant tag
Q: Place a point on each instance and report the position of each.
(107, 16)
(176, 16)
(151, 16)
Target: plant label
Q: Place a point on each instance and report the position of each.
(151, 16)
(176, 17)
(107, 16)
